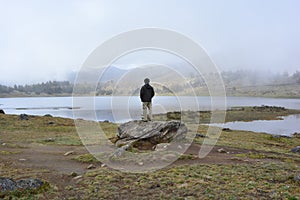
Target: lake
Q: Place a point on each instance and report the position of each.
(120, 109)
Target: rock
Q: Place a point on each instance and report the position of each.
(120, 151)
(50, 123)
(281, 136)
(2, 111)
(148, 134)
(29, 183)
(296, 149)
(73, 174)
(201, 135)
(91, 166)
(22, 159)
(7, 184)
(77, 177)
(49, 140)
(47, 115)
(297, 178)
(24, 117)
(222, 151)
(162, 146)
(103, 165)
(226, 129)
(140, 163)
(69, 153)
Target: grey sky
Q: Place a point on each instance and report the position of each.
(44, 40)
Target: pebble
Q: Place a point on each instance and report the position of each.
(201, 135)
(141, 163)
(22, 159)
(77, 177)
(297, 178)
(91, 166)
(296, 149)
(49, 140)
(74, 174)
(103, 165)
(222, 151)
(69, 153)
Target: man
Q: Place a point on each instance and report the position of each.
(146, 94)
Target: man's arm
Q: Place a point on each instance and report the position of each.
(153, 93)
(141, 93)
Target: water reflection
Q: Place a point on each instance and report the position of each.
(287, 125)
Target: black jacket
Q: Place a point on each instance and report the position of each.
(146, 93)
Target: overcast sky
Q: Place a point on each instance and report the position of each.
(44, 40)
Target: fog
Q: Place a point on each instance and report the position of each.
(51, 39)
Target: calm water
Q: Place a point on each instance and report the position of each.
(119, 109)
(285, 126)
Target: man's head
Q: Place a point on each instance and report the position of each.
(147, 81)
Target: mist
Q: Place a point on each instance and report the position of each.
(50, 40)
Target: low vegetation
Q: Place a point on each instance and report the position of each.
(262, 166)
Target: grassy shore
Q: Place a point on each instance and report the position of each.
(251, 165)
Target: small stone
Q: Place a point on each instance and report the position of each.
(77, 177)
(179, 147)
(296, 149)
(22, 159)
(69, 153)
(140, 163)
(3, 144)
(297, 178)
(73, 174)
(280, 136)
(200, 135)
(49, 140)
(222, 151)
(24, 117)
(226, 129)
(103, 165)
(91, 166)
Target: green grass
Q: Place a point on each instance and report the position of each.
(86, 158)
(260, 181)
(271, 178)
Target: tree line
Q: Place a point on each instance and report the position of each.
(49, 87)
(230, 78)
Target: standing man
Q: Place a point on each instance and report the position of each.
(146, 94)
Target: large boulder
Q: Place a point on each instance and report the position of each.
(2, 111)
(145, 135)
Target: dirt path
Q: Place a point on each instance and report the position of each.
(49, 163)
(52, 158)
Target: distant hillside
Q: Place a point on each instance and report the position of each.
(166, 81)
